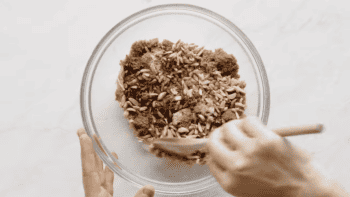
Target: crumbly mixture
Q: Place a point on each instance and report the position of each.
(178, 90)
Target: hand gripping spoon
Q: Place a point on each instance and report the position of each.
(187, 146)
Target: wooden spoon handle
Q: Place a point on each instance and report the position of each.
(299, 130)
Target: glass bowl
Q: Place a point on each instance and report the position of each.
(101, 112)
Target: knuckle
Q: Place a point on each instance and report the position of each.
(252, 120)
(252, 150)
(267, 143)
(213, 134)
(240, 165)
(271, 143)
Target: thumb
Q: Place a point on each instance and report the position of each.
(146, 191)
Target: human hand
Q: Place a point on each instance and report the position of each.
(98, 182)
(248, 159)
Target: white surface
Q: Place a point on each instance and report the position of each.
(46, 44)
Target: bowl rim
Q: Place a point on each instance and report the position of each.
(98, 53)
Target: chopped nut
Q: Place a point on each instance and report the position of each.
(237, 116)
(177, 98)
(201, 117)
(210, 119)
(144, 70)
(173, 132)
(170, 134)
(200, 52)
(239, 105)
(123, 100)
(125, 105)
(131, 109)
(157, 132)
(126, 114)
(207, 126)
(231, 89)
(200, 128)
(172, 55)
(183, 130)
(133, 82)
(160, 114)
(239, 89)
(222, 93)
(222, 104)
(231, 96)
(146, 136)
(153, 94)
(161, 96)
(173, 90)
(165, 131)
(145, 75)
(143, 108)
(134, 102)
(136, 107)
(193, 126)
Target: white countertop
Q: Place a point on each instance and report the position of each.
(44, 47)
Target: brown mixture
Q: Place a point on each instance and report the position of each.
(179, 90)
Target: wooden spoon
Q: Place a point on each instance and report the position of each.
(187, 146)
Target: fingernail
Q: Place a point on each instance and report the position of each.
(80, 130)
(148, 190)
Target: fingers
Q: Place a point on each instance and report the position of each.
(108, 184)
(99, 144)
(216, 170)
(254, 128)
(87, 152)
(91, 177)
(268, 143)
(219, 153)
(80, 132)
(233, 134)
(146, 191)
(221, 175)
(116, 156)
(99, 162)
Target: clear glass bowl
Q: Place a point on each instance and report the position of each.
(102, 115)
